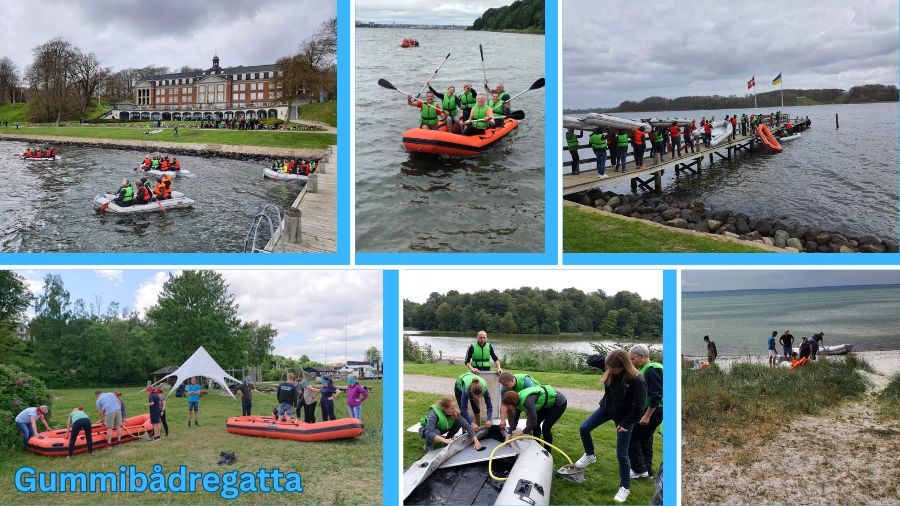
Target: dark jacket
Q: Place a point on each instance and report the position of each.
(624, 401)
(654, 380)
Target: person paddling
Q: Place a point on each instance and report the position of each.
(480, 118)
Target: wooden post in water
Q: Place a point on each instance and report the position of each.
(312, 183)
(837, 123)
(292, 225)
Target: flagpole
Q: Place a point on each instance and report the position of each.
(755, 107)
(782, 92)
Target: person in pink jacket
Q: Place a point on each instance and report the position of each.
(356, 394)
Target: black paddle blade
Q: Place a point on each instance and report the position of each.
(386, 84)
(447, 57)
(517, 115)
(537, 84)
(481, 50)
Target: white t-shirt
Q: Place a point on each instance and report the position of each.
(25, 415)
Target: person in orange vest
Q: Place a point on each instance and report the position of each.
(675, 134)
(639, 146)
(160, 189)
(164, 164)
(147, 162)
(707, 133)
(734, 127)
(28, 153)
(176, 165)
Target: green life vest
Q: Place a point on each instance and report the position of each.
(520, 382)
(479, 113)
(429, 115)
(449, 103)
(129, 194)
(481, 357)
(657, 138)
(622, 140)
(546, 397)
(443, 423)
(497, 106)
(598, 141)
(465, 381)
(77, 415)
(571, 140)
(154, 164)
(655, 365)
(467, 100)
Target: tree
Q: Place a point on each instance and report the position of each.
(86, 76)
(9, 80)
(312, 68)
(49, 76)
(373, 355)
(259, 340)
(196, 309)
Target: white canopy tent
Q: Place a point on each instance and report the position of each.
(201, 364)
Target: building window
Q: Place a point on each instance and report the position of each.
(220, 97)
(221, 87)
(256, 75)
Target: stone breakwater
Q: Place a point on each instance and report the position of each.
(769, 231)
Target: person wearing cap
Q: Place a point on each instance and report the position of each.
(640, 448)
(245, 389)
(309, 401)
(329, 392)
(356, 395)
(26, 421)
(155, 410)
(110, 414)
(79, 421)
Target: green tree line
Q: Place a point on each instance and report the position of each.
(520, 16)
(525, 310)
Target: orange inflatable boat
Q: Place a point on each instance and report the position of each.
(441, 142)
(768, 140)
(266, 426)
(55, 443)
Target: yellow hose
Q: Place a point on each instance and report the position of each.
(524, 436)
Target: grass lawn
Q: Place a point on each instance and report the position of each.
(602, 481)
(13, 113)
(587, 232)
(333, 472)
(275, 139)
(324, 112)
(557, 379)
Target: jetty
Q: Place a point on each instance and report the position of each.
(649, 176)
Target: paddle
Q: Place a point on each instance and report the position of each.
(517, 115)
(534, 86)
(432, 75)
(481, 50)
(386, 84)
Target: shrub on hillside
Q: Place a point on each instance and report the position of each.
(17, 392)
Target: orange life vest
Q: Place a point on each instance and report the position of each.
(638, 137)
(177, 165)
(674, 132)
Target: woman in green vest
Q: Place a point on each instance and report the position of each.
(450, 103)
(513, 383)
(542, 405)
(444, 417)
(430, 111)
(467, 100)
(469, 389)
(496, 105)
(599, 145)
(480, 118)
(621, 149)
(79, 421)
(640, 449)
(572, 146)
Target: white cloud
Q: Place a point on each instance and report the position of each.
(113, 275)
(415, 11)
(148, 292)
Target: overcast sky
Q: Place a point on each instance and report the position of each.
(642, 48)
(702, 281)
(416, 11)
(306, 307)
(173, 33)
(417, 285)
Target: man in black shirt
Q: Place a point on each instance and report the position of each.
(246, 391)
(787, 341)
(287, 398)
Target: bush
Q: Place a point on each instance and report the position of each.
(415, 353)
(17, 392)
(890, 398)
(655, 353)
(529, 359)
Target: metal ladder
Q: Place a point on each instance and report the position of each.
(264, 216)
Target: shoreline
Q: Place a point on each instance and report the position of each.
(885, 362)
(233, 151)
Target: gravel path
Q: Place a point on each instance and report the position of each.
(577, 398)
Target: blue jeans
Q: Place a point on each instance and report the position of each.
(601, 160)
(676, 144)
(285, 409)
(355, 412)
(27, 432)
(623, 439)
(621, 157)
(787, 351)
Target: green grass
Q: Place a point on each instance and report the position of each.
(557, 379)
(333, 472)
(602, 477)
(13, 113)
(889, 398)
(275, 139)
(323, 112)
(587, 232)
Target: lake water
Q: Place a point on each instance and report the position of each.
(741, 322)
(837, 179)
(456, 346)
(407, 202)
(49, 206)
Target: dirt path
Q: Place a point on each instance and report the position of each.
(577, 398)
(844, 456)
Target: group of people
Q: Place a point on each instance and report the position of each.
(632, 400)
(295, 395)
(467, 113)
(160, 163)
(45, 152)
(295, 166)
(141, 191)
(807, 351)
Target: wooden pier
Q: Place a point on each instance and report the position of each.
(649, 176)
(318, 213)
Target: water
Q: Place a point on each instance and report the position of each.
(406, 202)
(741, 322)
(844, 180)
(456, 346)
(48, 206)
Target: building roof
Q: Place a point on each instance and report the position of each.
(319, 369)
(357, 362)
(210, 71)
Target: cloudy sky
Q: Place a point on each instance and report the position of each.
(308, 308)
(713, 281)
(416, 11)
(640, 48)
(417, 285)
(173, 33)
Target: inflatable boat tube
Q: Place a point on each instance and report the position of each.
(178, 201)
(281, 176)
(596, 119)
(180, 172)
(576, 123)
(441, 142)
(840, 349)
(789, 137)
(266, 426)
(667, 122)
(42, 159)
(767, 139)
(55, 443)
(721, 130)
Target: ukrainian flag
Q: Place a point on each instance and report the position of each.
(777, 80)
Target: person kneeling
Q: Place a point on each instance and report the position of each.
(444, 417)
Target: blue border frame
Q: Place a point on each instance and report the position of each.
(391, 384)
(685, 259)
(551, 181)
(340, 257)
(671, 478)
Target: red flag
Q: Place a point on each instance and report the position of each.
(751, 83)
